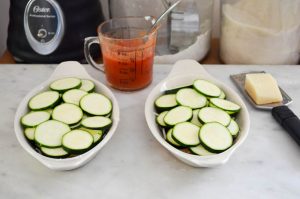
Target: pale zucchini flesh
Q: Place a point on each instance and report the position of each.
(200, 150)
(186, 134)
(96, 122)
(170, 139)
(64, 84)
(34, 118)
(177, 115)
(50, 133)
(29, 133)
(96, 104)
(54, 152)
(97, 134)
(67, 113)
(215, 137)
(44, 100)
(160, 119)
(211, 114)
(195, 119)
(207, 88)
(225, 104)
(233, 128)
(165, 102)
(87, 85)
(73, 96)
(191, 98)
(77, 141)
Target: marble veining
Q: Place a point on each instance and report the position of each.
(133, 165)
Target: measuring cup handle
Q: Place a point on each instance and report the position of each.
(87, 45)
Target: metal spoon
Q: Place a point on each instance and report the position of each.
(162, 16)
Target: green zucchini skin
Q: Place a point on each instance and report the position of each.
(175, 90)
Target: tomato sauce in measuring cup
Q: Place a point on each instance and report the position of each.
(128, 52)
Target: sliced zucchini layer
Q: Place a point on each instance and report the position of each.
(200, 150)
(67, 113)
(29, 133)
(170, 139)
(160, 119)
(225, 104)
(211, 114)
(87, 85)
(54, 152)
(96, 104)
(73, 96)
(96, 122)
(207, 103)
(233, 128)
(207, 88)
(191, 98)
(165, 102)
(50, 133)
(65, 84)
(44, 100)
(178, 114)
(215, 137)
(186, 134)
(77, 141)
(35, 118)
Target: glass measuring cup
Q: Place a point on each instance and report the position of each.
(127, 51)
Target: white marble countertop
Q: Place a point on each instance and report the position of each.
(134, 165)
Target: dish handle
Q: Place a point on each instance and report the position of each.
(69, 69)
(187, 67)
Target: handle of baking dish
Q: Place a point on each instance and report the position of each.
(188, 67)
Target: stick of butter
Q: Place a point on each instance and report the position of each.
(262, 88)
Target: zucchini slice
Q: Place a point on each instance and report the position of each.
(77, 141)
(191, 98)
(165, 102)
(44, 100)
(160, 119)
(170, 139)
(211, 114)
(186, 134)
(97, 122)
(177, 115)
(67, 113)
(215, 137)
(200, 150)
(175, 90)
(73, 96)
(29, 133)
(87, 85)
(64, 84)
(97, 134)
(50, 133)
(96, 104)
(225, 105)
(195, 119)
(54, 152)
(207, 88)
(222, 95)
(35, 118)
(233, 128)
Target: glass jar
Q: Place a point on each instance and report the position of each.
(260, 31)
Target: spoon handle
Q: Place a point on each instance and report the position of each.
(163, 15)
